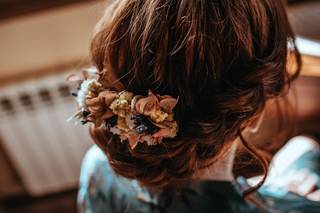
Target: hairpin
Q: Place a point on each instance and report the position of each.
(134, 118)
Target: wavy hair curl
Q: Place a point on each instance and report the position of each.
(223, 59)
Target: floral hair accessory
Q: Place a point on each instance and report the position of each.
(134, 118)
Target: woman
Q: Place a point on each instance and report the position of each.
(178, 85)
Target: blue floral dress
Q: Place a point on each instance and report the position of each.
(101, 190)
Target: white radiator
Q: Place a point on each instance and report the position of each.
(45, 150)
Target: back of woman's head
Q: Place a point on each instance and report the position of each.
(223, 59)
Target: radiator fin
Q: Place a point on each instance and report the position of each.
(45, 149)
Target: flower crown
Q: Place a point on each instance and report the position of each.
(134, 118)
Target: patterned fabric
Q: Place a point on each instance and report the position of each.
(101, 190)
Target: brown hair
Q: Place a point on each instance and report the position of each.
(223, 59)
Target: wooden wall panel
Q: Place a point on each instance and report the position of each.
(13, 8)
(45, 40)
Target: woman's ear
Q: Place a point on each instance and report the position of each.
(255, 124)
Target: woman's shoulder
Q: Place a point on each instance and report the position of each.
(95, 171)
(100, 189)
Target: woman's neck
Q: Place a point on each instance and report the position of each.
(221, 170)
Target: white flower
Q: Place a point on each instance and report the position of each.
(115, 131)
(86, 86)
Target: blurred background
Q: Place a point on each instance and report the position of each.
(41, 41)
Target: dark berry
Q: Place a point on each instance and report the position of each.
(74, 94)
(152, 129)
(141, 129)
(138, 119)
(112, 121)
(84, 122)
(85, 113)
(144, 125)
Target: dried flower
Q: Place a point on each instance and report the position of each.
(122, 105)
(135, 119)
(98, 107)
(88, 88)
(157, 108)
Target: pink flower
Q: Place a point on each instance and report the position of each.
(167, 103)
(166, 132)
(133, 140)
(158, 108)
(99, 107)
(147, 105)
